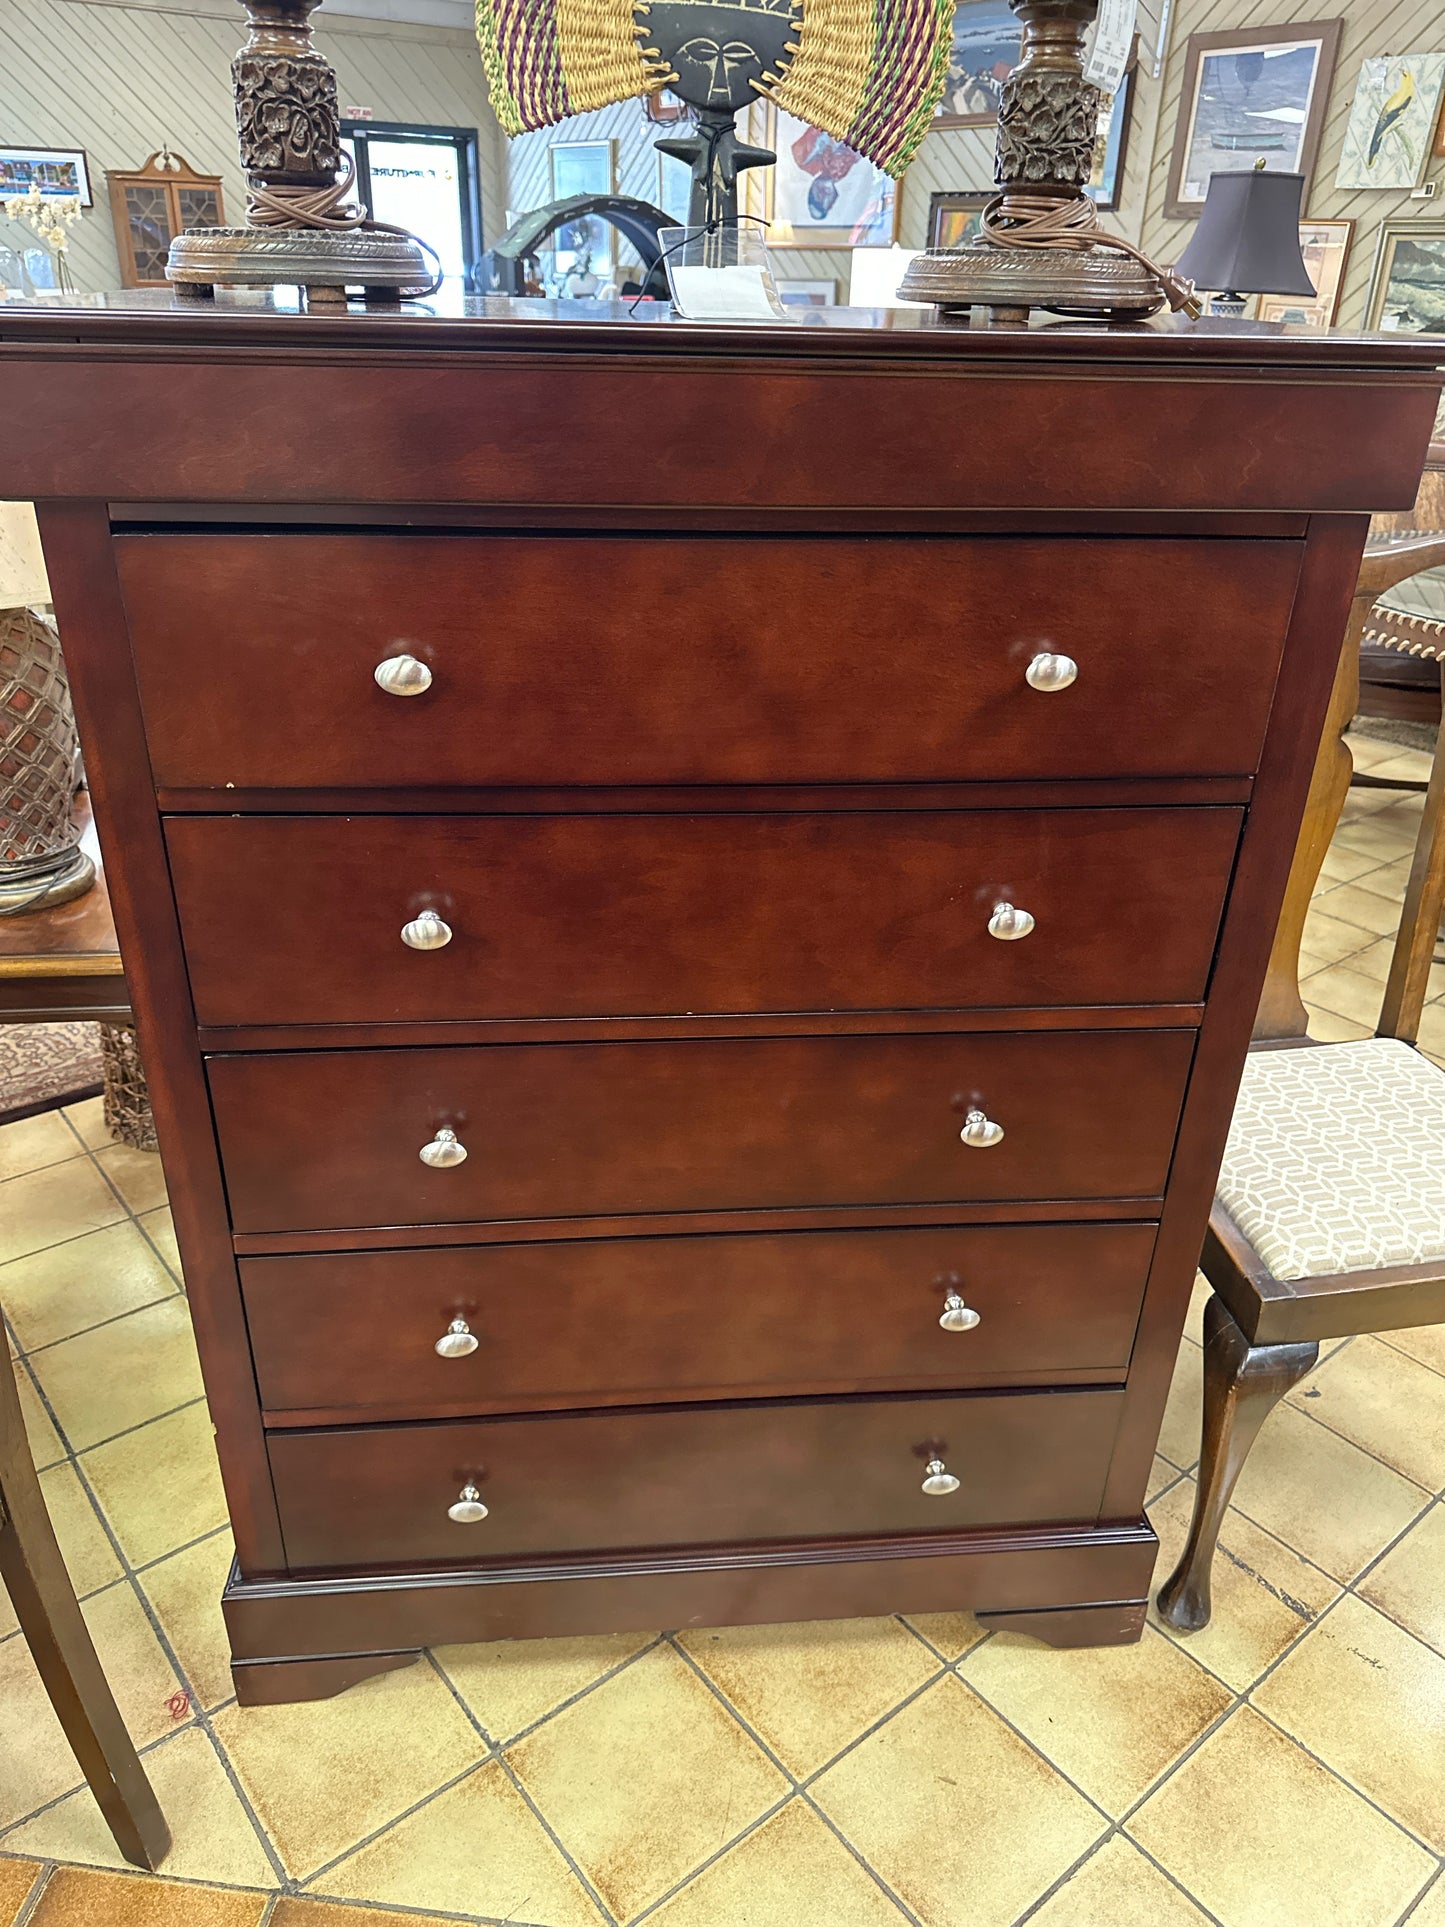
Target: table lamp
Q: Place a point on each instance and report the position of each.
(1247, 241)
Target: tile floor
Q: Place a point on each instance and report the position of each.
(1284, 1769)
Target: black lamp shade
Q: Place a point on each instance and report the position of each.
(1247, 240)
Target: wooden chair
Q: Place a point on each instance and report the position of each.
(55, 1630)
(1329, 1217)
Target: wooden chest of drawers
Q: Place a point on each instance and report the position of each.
(692, 1006)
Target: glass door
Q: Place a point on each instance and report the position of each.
(423, 179)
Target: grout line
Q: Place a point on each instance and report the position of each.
(33, 1898)
(103, 1324)
(720, 1853)
(396, 1820)
(525, 1732)
(1432, 1886)
(127, 1431)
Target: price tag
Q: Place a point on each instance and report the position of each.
(1113, 43)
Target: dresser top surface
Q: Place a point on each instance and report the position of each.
(158, 321)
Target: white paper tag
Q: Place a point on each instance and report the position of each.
(736, 293)
(1113, 43)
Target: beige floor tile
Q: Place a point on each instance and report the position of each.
(810, 1689)
(1199, 1297)
(1325, 1027)
(144, 1682)
(966, 1823)
(17, 1883)
(1343, 865)
(59, 1202)
(1348, 993)
(1263, 1836)
(120, 1375)
(88, 1117)
(951, 1634)
(1374, 960)
(1367, 751)
(69, 1287)
(185, 1591)
(1384, 834)
(512, 1683)
(645, 1778)
(1432, 1030)
(1412, 764)
(160, 1486)
(1424, 1343)
(1385, 1402)
(1265, 1596)
(46, 1444)
(1353, 903)
(137, 1175)
(1409, 1582)
(325, 1774)
(1322, 1495)
(160, 1229)
(1119, 1887)
(34, 1142)
(792, 1869)
(1431, 1910)
(1161, 1475)
(1330, 938)
(1370, 1701)
(1112, 1717)
(475, 1849)
(82, 1897)
(211, 1836)
(84, 1544)
(36, 1765)
(1179, 1434)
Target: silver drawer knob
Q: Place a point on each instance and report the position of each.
(939, 1482)
(469, 1510)
(444, 1152)
(1007, 923)
(1050, 672)
(956, 1316)
(978, 1133)
(460, 1341)
(429, 932)
(403, 676)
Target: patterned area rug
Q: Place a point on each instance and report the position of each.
(42, 1065)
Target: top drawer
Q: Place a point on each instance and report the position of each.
(633, 660)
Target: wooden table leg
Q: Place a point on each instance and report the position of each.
(59, 1640)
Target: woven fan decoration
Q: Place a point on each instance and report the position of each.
(868, 72)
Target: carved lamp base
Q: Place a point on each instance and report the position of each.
(326, 263)
(1095, 283)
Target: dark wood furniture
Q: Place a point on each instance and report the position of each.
(54, 1628)
(718, 774)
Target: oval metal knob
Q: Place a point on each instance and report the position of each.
(956, 1316)
(1050, 672)
(460, 1341)
(1007, 923)
(469, 1510)
(430, 932)
(978, 1133)
(403, 676)
(445, 1151)
(939, 1481)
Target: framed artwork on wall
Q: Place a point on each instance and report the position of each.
(151, 205)
(954, 216)
(985, 46)
(1387, 139)
(1252, 94)
(1407, 288)
(807, 294)
(582, 167)
(1324, 246)
(1111, 144)
(821, 194)
(61, 173)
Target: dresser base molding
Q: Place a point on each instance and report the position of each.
(308, 1639)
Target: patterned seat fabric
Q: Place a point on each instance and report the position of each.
(1336, 1158)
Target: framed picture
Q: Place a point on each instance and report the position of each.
(1392, 123)
(1407, 288)
(807, 294)
(582, 167)
(1111, 144)
(60, 172)
(1324, 245)
(1253, 94)
(821, 194)
(985, 48)
(954, 217)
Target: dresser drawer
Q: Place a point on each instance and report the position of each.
(299, 919)
(612, 659)
(327, 1139)
(806, 1469)
(588, 1321)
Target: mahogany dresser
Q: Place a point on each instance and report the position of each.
(695, 897)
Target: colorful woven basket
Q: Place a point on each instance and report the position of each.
(868, 72)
